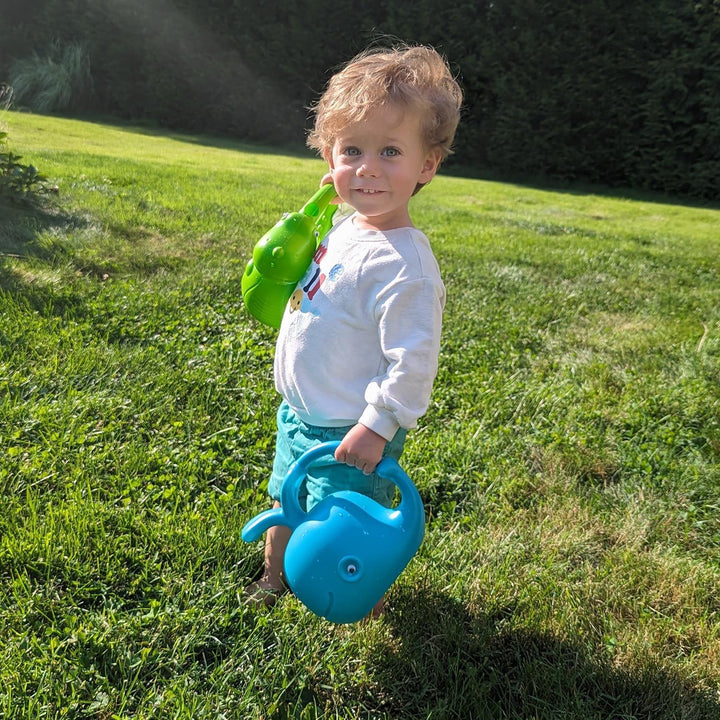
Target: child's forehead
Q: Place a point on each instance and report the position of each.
(389, 121)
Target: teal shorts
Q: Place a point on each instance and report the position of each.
(325, 475)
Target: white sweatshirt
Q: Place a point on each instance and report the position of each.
(360, 337)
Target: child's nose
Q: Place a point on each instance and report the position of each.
(367, 167)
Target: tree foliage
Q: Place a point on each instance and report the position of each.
(604, 91)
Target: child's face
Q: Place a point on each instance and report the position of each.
(377, 163)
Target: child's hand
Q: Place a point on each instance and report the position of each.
(362, 448)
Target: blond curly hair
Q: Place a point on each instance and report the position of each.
(412, 77)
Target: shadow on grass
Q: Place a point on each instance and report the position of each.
(449, 663)
(575, 187)
(21, 227)
(292, 147)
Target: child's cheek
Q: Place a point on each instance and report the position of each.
(342, 178)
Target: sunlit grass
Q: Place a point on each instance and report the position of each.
(569, 463)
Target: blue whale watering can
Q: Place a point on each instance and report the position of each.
(348, 549)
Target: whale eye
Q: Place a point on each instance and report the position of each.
(350, 568)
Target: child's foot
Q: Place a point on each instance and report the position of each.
(262, 593)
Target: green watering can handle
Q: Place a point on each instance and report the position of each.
(319, 201)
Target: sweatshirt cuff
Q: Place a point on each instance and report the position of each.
(380, 421)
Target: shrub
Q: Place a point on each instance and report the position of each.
(6, 94)
(17, 180)
(55, 82)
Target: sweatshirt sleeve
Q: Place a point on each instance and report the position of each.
(409, 326)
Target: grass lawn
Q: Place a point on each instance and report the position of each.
(569, 462)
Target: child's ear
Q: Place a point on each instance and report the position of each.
(327, 156)
(430, 166)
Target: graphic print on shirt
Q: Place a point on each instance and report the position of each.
(301, 299)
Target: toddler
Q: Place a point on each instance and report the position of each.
(357, 351)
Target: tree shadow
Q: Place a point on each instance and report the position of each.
(580, 188)
(446, 662)
(295, 148)
(22, 225)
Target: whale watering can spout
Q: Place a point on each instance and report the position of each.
(345, 553)
(281, 257)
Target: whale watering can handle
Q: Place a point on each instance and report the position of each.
(291, 514)
(388, 468)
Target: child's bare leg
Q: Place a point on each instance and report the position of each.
(272, 582)
(276, 541)
(377, 611)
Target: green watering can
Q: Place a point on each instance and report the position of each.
(281, 257)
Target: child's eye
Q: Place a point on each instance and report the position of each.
(391, 152)
(351, 151)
